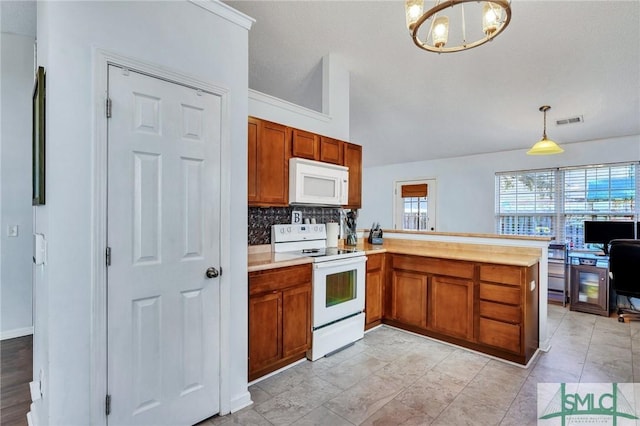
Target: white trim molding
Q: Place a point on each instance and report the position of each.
(16, 332)
(225, 11)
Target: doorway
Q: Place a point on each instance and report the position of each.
(415, 205)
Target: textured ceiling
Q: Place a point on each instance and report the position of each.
(580, 57)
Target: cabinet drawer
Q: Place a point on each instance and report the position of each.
(278, 279)
(513, 275)
(374, 261)
(500, 293)
(498, 311)
(500, 334)
(452, 268)
(556, 269)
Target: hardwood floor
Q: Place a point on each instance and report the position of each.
(16, 360)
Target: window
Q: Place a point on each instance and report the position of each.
(556, 202)
(526, 202)
(597, 193)
(415, 205)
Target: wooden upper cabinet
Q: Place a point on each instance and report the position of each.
(352, 158)
(268, 159)
(331, 150)
(305, 144)
(253, 159)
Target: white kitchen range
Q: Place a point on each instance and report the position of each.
(338, 285)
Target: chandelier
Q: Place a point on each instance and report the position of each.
(545, 146)
(430, 30)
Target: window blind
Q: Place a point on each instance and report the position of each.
(417, 190)
(556, 202)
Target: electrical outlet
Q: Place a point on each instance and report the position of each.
(12, 231)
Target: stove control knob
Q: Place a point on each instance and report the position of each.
(288, 229)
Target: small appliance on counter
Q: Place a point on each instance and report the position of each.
(375, 234)
(350, 227)
(333, 232)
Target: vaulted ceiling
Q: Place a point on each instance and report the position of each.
(580, 57)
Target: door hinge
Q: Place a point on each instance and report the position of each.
(108, 107)
(108, 256)
(107, 405)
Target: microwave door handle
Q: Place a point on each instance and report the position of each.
(338, 263)
(344, 188)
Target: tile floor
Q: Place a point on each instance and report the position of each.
(395, 378)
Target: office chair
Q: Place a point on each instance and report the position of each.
(624, 276)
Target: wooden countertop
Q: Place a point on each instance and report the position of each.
(515, 256)
(261, 257)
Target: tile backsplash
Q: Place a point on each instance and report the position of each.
(261, 219)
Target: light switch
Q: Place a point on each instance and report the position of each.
(12, 231)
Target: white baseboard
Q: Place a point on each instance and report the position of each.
(240, 402)
(17, 332)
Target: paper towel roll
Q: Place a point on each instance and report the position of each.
(332, 234)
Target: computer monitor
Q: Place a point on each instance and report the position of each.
(601, 232)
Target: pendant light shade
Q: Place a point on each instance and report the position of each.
(545, 146)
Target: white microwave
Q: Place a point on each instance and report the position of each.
(317, 183)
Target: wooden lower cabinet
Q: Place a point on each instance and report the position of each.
(409, 298)
(374, 290)
(508, 317)
(279, 318)
(452, 306)
(486, 307)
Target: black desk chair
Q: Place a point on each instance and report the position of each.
(624, 275)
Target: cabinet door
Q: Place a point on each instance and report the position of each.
(253, 159)
(265, 335)
(271, 165)
(305, 144)
(352, 156)
(331, 150)
(451, 306)
(409, 298)
(296, 320)
(589, 289)
(373, 298)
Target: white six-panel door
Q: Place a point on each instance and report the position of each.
(163, 232)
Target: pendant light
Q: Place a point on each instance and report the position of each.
(545, 146)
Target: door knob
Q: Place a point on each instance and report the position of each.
(212, 272)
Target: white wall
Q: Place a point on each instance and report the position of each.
(179, 36)
(334, 119)
(16, 85)
(466, 185)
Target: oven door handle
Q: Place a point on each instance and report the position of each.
(338, 263)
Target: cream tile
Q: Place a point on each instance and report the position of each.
(465, 410)
(463, 364)
(245, 417)
(395, 413)
(258, 395)
(494, 388)
(297, 402)
(432, 393)
(321, 416)
(351, 371)
(362, 400)
(523, 410)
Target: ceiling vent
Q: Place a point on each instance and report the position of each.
(572, 120)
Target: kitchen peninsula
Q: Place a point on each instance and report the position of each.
(479, 291)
